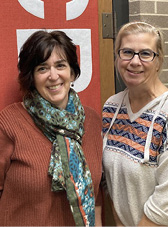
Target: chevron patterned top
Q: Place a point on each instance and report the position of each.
(136, 185)
(128, 136)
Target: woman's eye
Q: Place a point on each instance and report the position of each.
(146, 53)
(127, 52)
(42, 69)
(61, 66)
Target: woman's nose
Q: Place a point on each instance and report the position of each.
(53, 73)
(135, 60)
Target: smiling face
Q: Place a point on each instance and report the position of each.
(136, 72)
(52, 80)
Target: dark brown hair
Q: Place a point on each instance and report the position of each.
(38, 48)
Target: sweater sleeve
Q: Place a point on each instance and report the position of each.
(6, 150)
(156, 207)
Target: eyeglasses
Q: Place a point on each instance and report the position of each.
(127, 54)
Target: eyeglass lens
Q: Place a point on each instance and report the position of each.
(144, 55)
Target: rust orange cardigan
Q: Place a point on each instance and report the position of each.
(26, 196)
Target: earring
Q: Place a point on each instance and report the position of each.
(72, 84)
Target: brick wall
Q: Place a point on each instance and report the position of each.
(156, 13)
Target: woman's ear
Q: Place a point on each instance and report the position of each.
(72, 76)
(159, 64)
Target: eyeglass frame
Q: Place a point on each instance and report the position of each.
(137, 53)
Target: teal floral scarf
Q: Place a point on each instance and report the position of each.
(67, 167)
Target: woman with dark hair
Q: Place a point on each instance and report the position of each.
(50, 153)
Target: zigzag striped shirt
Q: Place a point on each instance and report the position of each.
(131, 181)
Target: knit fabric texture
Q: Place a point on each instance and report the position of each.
(27, 199)
(135, 186)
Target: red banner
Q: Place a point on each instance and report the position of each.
(77, 18)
